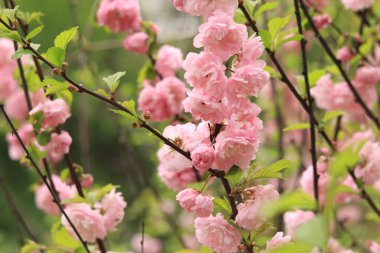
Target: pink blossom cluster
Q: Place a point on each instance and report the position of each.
(356, 5)
(95, 221)
(330, 96)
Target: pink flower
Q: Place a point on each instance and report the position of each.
(252, 50)
(294, 219)
(367, 76)
(154, 101)
(249, 213)
(374, 247)
(349, 215)
(7, 84)
(335, 247)
(203, 157)
(119, 15)
(205, 72)
(235, 146)
(112, 207)
(169, 60)
(319, 4)
(217, 233)
(88, 222)
(205, 108)
(6, 50)
(277, 240)
(44, 199)
(151, 245)
(322, 21)
(369, 172)
(221, 36)
(193, 201)
(321, 92)
(356, 5)
(176, 93)
(55, 112)
(137, 42)
(247, 80)
(344, 54)
(16, 106)
(58, 146)
(176, 179)
(205, 7)
(349, 195)
(16, 152)
(244, 113)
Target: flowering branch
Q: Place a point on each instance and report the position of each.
(43, 177)
(344, 74)
(284, 78)
(305, 73)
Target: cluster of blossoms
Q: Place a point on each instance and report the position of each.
(162, 97)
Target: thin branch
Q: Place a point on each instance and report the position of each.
(43, 177)
(305, 73)
(344, 74)
(284, 78)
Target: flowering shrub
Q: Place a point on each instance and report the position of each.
(267, 124)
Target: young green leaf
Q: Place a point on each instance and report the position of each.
(307, 232)
(55, 86)
(273, 170)
(20, 52)
(34, 32)
(275, 25)
(123, 114)
(332, 115)
(297, 126)
(11, 13)
(31, 247)
(265, 7)
(13, 35)
(282, 42)
(64, 38)
(56, 56)
(130, 105)
(315, 75)
(113, 81)
(266, 37)
(43, 138)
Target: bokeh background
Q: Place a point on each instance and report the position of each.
(108, 147)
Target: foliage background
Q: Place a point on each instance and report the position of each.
(107, 147)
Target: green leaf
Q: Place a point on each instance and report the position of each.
(64, 38)
(36, 120)
(273, 170)
(20, 52)
(146, 72)
(307, 232)
(290, 201)
(104, 190)
(239, 17)
(276, 24)
(222, 204)
(266, 37)
(31, 247)
(315, 76)
(332, 115)
(297, 126)
(34, 33)
(296, 37)
(123, 114)
(76, 199)
(272, 71)
(13, 35)
(103, 93)
(265, 7)
(291, 248)
(11, 13)
(234, 176)
(130, 105)
(113, 81)
(43, 138)
(61, 237)
(55, 86)
(345, 159)
(56, 56)
(65, 174)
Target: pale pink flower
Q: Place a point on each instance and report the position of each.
(112, 208)
(349, 215)
(206, 7)
(119, 15)
(235, 146)
(344, 54)
(151, 245)
(86, 180)
(374, 247)
(154, 101)
(55, 112)
(294, 219)
(6, 50)
(203, 157)
(352, 194)
(16, 105)
(44, 200)
(244, 112)
(205, 72)
(176, 179)
(321, 92)
(318, 4)
(247, 80)
(322, 21)
(249, 213)
(88, 222)
(221, 36)
(176, 93)
(277, 240)
(356, 5)
(15, 149)
(205, 108)
(217, 233)
(335, 247)
(58, 146)
(369, 172)
(137, 42)
(252, 50)
(367, 76)
(7, 84)
(169, 60)
(193, 201)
